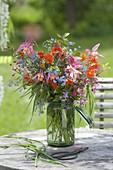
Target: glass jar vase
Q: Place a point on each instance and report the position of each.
(60, 123)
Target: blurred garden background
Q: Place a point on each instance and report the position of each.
(88, 21)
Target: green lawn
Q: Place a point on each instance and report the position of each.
(13, 117)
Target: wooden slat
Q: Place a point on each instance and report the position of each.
(103, 95)
(104, 105)
(103, 114)
(105, 80)
(105, 92)
(103, 86)
(103, 124)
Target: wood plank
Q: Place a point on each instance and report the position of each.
(103, 114)
(103, 86)
(103, 124)
(103, 105)
(103, 95)
(105, 80)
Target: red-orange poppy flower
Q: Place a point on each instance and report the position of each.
(49, 58)
(92, 59)
(41, 54)
(90, 73)
(56, 48)
(94, 66)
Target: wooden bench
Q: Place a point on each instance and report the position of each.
(103, 108)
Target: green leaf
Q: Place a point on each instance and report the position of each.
(90, 96)
(65, 40)
(88, 119)
(59, 35)
(66, 35)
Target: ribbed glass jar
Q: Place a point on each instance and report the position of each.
(60, 123)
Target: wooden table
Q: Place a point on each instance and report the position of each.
(99, 156)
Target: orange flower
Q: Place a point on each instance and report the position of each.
(49, 58)
(42, 65)
(90, 73)
(41, 54)
(94, 66)
(92, 59)
(69, 81)
(84, 57)
(56, 48)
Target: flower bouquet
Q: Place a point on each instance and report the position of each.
(60, 76)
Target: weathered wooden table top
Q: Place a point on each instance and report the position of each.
(99, 156)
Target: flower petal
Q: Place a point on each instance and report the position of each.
(99, 55)
(88, 51)
(95, 48)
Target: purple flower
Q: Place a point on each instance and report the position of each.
(71, 43)
(62, 79)
(65, 95)
(34, 59)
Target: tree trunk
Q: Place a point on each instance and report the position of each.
(71, 14)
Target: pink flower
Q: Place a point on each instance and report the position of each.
(13, 74)
(52, 76)
(39, 77)
(27, 47)
(74, 92)
(73, 61)
(14, 68)
(83, 101)
(94, 51)
(73, 72)
(81, 91)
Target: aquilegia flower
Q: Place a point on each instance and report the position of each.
(26, 47)
(61, 73)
